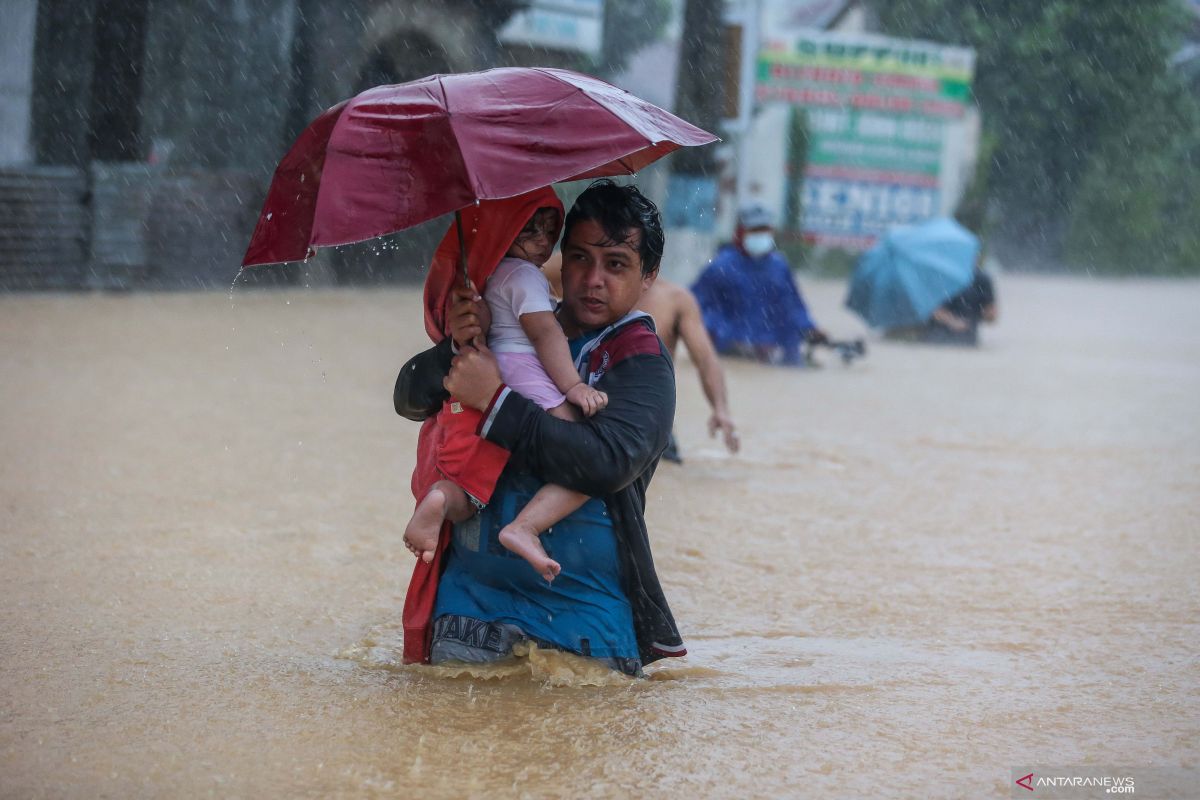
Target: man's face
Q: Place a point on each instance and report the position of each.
(601, 281)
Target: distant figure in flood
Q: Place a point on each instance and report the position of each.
(924, 282)
(957, 320)
(749, 298)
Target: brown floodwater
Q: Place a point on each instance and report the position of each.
(923, 569)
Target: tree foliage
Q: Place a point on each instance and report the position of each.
(1054, 79)
(1138, 209)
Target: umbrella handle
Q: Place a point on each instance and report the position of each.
(462, 249)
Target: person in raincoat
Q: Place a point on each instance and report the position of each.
(749, 298)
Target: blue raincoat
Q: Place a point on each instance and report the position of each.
(752, 302)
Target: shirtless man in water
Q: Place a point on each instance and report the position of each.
(677, 316)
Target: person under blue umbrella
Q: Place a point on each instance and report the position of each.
(957, 320)
(924, 282)
(749, 298)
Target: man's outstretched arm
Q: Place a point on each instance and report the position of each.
(712, 376)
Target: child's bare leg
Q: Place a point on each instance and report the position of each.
(566, 411)
(444, 501)
(548, 506)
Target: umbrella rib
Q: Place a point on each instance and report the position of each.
(617, 116)
(461, 155)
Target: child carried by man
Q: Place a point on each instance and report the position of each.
(535, 361)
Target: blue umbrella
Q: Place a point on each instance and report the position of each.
(911, 271)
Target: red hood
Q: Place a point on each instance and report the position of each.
(489, 229)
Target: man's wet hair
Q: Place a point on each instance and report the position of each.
(618, 209)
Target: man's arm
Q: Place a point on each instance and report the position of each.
(712, 377)
(602, 454)
(800, 316)
(949, 319)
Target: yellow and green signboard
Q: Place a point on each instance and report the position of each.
(879, 113)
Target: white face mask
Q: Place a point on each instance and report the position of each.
(758, 244)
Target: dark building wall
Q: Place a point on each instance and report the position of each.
(218, 74)
(17, 35)
(114, 109)
(45, 211)
(43, 228)
(174, 114)
(87, 80)
(62, 81)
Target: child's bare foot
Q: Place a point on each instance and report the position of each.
(524, 541)
(421, 535)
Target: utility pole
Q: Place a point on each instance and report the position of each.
(700, 99)
(691, 209)
(746, 77)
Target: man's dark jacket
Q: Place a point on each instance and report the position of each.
(611, 455)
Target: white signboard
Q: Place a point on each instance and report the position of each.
(885, 116)
(558, 25)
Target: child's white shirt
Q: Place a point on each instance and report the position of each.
(516, 287)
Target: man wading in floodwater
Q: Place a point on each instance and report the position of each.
(606, 603)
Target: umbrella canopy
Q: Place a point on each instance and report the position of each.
(395, 156)
(911, 271)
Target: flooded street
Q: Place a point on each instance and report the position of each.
(923, 569)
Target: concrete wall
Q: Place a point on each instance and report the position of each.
(178, 228)
(16, 79)
(43, 228)
(217, 82)
(62, 79)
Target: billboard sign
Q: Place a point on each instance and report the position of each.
(879, 113)
(576, 25)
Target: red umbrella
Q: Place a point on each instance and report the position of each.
(395, 156)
